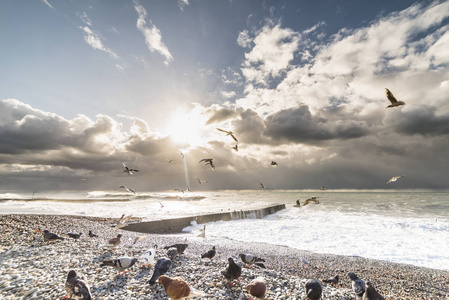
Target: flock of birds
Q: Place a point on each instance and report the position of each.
(178, 288)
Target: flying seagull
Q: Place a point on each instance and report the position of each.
(393, 100)
(236, 147)
(393, 179)
(128, 170)
(229, 133)
(122, 222)
(129, 190)
(182, 154)
(208, 161)
(273, 163)
(201, 181)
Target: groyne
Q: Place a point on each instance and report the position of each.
(176, 225)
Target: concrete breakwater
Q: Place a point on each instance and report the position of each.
(176, 225)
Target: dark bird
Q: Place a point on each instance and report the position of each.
(371, 293)
(209, 254)
(128, 170)
(311, 200)
(76, 288)
(74, 235)
(177, 288)
(358, 285)
(201, 181)
(208, 161)
(172, 253)
(113, 242)
(236, 148)
(251, 259)
(49, 236)
(229, 133)
(313, 289)
(91, 234)
(180, 247)
(261, 185)
(333, 280)
(129, 190)
(162, 266)
(257, 287)
(273, 163)
(121, 264)
(393, 179)
(233, 271)
(393, 100)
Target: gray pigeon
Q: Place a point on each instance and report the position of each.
(313, 289)
(74, 235)
(358, 285)
(120, 264)
(251, 259)
(49, 236)
(75, 287)
(233, 271)
(371, 293)
(333, 280)
(162, 266)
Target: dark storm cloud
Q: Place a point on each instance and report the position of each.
(423, 120)
(299, 125)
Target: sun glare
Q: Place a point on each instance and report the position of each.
(185, 129)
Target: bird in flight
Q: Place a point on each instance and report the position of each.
(129, 190)
(393, 179)
(201, 181)
(128, 170)
(182, 154)
(236, 147)
(229, 133)
(393, 100)
(273, 163)
(208, 161)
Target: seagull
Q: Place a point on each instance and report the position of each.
(121, 264)
(203, 232)
(333, 280)
(313, 289)
(122, 222)
(139, 238)
(393, 100)
(208, 161)
(129, 190)
(49, 236)
(180, 247)
(201, 181)
(393, 179)
(182, 154)
(170, 160)
(233, 271)
(371, 293)
(273, 163)
(74, 235)
(177, 288)
(251, 259)
(76, 287)
(257, 287)
(236, 148)
(162, 267)
(128, 170)
(311, 200)
(209, 254)
(229, 133)
(358, 285)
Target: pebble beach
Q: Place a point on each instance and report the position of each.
(31, 268)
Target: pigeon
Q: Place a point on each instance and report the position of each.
(91, 234)
(313, 289)
(304, 261)
(128, 170)
(74, 235)
(129, 190)
(333, 280)
(76, 287)
(172, 253)
(371, 293)
(147, 257)
(393, 100)
(180, 247)
(208, 161)
(209, 254)
(121, 264)
(177, 288)
(393, 179)
(113, 242)
(233, 271)
(251, 259)
(273, 163)
(229, 133)
(257, 287)
(49, 236)
(162, 267)
(358, 285)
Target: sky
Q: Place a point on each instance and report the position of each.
(86, 86)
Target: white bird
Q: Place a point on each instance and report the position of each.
(129, 190)
(229, 133)
(208, 161)
(147, 258)
(128, 170)
(182, 154)
(122, 222)
(203, 232)
(393, 179)
(393, 100)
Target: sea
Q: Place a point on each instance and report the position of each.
(410, 227)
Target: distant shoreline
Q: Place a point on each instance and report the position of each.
(88, 200)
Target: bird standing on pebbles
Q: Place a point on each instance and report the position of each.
(358, 285)
(49, 236)
(313, 289)
(209, 254)
(333, 280)
(233, 271)
(257, 287)
(121, 264)
(75, 287)
(91, 234)
(176, 288)
(162, 267)
(172, 253)
(180, 247)
(74, 235)
(251, 259)
(371, 293)
(147, 259)
(114, 241)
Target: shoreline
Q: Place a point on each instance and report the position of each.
(24, 253)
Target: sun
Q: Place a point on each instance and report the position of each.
(185, 129)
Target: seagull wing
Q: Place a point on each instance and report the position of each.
(391, 97)
(222, 130)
